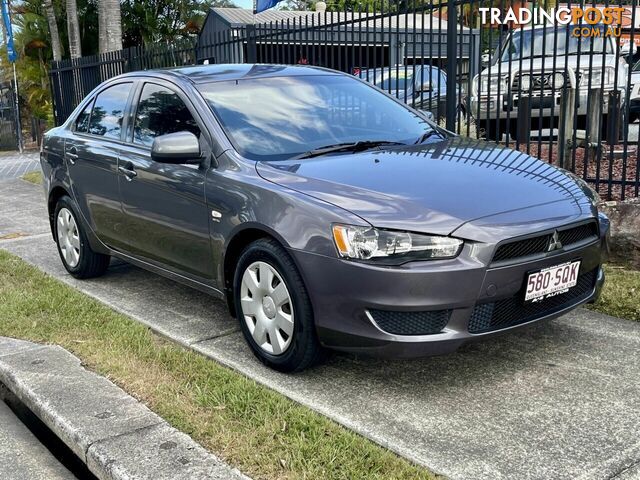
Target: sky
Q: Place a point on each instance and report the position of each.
(244, 3)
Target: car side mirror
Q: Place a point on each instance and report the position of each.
(179, 147)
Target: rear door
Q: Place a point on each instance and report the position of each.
(165, 213)
(91, 154)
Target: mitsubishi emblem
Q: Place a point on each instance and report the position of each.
(555, 243)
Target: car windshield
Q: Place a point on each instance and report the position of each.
(282, 117)
(636, 67)
(551, 41)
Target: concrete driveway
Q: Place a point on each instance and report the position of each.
(14, 164)
(558, 400)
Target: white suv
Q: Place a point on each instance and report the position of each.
(539, 62)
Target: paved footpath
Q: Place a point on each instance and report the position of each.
(559, 400)
(22, 456)
(14, 164)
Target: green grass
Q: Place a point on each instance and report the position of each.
(621, 294)
(33, 177)
(261, 432)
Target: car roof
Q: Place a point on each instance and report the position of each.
(199, 74)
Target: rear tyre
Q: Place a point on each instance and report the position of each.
(73, 247)
(274, 309)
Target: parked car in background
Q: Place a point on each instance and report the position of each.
(539, 62)
(323, 211)
(420, 86)
(634, 100)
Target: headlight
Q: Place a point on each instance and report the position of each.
(492, 84)
(392, 247)
(596, 77)
(486, 84)
(557, 80)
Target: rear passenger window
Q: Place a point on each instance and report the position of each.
(82, 122)
(108, 111)
(161, 111)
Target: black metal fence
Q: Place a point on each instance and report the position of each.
(568, 97)
(8, 134)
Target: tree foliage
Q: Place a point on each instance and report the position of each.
(163, 20)
(143, 22)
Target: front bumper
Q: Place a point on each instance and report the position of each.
(345, 294)
(505, 105)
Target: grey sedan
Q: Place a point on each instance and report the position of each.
(325, 212)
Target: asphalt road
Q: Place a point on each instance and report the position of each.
(559, 400)
(22, 456)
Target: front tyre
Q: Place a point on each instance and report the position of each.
(274, 309)
(74, 249)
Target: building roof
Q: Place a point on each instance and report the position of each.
(243, 16)
(239, 17)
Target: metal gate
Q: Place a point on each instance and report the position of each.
(8, 134)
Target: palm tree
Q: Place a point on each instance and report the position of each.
(53, 30)
(73, 29)
(109, 26)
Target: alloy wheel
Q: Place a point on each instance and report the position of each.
(68, 237)
(267, 308)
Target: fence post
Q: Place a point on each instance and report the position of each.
(523, 122)
(565, 125)
(594, 119)
(252, 51)
(613, 117)
(452, 64)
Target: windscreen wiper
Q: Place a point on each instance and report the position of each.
(360, 146)
(428, 134)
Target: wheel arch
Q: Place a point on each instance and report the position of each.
(234, 248)
(55, 195)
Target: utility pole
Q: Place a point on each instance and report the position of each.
(11, 54)
(17, 103)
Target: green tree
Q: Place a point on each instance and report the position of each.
(155, 21)
(32, 42)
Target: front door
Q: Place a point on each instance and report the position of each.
(165, 213)
(91, 155)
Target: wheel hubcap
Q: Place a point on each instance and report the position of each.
(68, 237)
(267, 307)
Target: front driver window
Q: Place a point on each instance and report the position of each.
(161, 111)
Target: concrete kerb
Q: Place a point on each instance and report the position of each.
(114, 434)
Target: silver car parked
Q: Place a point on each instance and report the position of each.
(541, 63)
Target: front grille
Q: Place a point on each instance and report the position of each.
(411, 323)
(540, 244)
(540, 84)
(578, 234)
(513, 311)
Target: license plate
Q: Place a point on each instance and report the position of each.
(552, 281)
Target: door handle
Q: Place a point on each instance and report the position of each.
(128, 172)
(72, 155)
